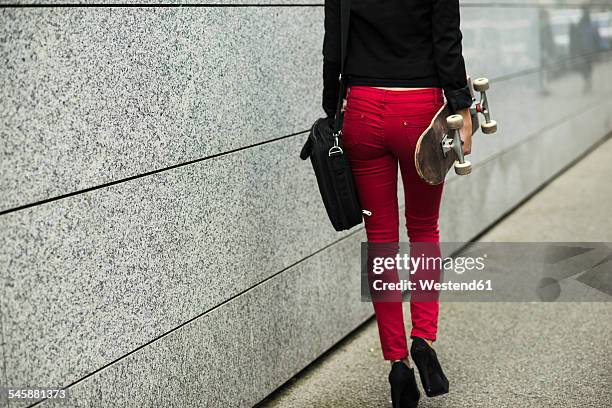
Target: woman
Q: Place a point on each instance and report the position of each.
(402, 58)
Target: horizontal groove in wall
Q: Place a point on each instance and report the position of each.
(557, 64)
(149, 173)
(196, 5)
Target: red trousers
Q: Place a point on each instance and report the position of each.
(380, 131)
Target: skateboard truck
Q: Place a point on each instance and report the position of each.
(452, 141)
(482, 85)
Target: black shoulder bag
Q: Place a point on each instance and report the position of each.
(330, 164)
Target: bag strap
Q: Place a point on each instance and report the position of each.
(345, 13)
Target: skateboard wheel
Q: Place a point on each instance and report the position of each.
(481, 84)
(488, 128)
(464, 168)
(454, 122)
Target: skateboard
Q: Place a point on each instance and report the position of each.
(440, 146)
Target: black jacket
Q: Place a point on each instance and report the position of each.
(410, 43)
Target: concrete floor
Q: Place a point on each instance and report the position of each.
(498, 354)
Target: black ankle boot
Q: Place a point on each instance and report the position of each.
(404, 390)
(432, 377)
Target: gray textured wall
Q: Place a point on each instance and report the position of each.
(163, 245)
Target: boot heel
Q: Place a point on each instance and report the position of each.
(432, 376)
(404, 390)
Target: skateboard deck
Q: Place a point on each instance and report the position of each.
(431, 162)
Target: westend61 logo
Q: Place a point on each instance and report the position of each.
(426, 270)
(488, 271)
(413, 264)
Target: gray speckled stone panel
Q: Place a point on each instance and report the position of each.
(499, 41)
(240, 352)
(3, 394)
(92, 95)
(91, 277)
(522, 111)
(502, 183)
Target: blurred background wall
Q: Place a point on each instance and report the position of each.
(161, 242)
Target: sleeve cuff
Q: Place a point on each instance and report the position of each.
(458, 98)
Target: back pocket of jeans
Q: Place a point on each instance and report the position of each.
(352, 127)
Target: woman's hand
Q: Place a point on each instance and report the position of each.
(466, 130)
